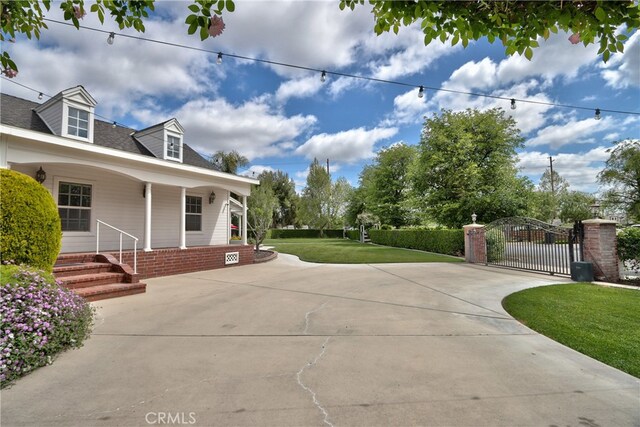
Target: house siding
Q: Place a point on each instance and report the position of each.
(118, 201)
(52, 116)
(154, 141)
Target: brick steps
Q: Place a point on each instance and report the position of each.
(113, 290)
(92, 279)
(97, 277)
(66, 270)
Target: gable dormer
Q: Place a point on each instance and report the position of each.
(164, 140)
(70, 114)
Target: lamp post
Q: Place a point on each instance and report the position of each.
(474, 217)
(595, 209)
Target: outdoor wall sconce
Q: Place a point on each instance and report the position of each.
(474, 217)
(41, 175)
(212, 198)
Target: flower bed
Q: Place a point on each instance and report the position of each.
(38, 320)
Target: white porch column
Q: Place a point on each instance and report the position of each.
(228, 218)
(244, 220)
(147, 217)
(183, 217)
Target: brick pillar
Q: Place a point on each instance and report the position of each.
(601, 249)
(475, 247)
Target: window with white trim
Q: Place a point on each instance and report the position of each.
(74, 206)
(78, 123)
(193, 213)
(173, 147)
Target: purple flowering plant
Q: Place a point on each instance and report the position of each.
(38, 319)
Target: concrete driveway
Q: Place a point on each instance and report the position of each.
(292, 343)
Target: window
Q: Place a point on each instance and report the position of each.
(194, 214)
(173, 147)
(74, 206)
(78, 123)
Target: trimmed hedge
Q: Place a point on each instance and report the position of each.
(284, 233)
(449, 242)
(30, 230)
(353, 234)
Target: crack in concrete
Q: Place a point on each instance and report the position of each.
(308, 389)
(309, 313)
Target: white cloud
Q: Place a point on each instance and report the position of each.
(555, 57)
(347, 146)
(299, 88)
(579, 169)
(612, 136)
(256, 170)
(253, 128)
(571, 132)
(623, 70)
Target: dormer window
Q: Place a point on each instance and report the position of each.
(78, 124)
(173, 147)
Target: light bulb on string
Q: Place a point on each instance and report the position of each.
(421, 92)
(113, 125)
(598, 116)
(40, 95)
(323, 76)
(219, 60)
(111, 38)
(513, 103)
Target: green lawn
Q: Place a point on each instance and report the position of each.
(343, 251)
(601, 322)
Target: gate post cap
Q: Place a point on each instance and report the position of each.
(473, 226)
(599, 221)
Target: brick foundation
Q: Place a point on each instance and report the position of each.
(165, 262)
(600, 248)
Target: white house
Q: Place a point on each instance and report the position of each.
(148, 184)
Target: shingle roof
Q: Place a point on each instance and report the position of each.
(19, 112)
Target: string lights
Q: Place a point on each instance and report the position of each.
(40, 95)
(324, 73)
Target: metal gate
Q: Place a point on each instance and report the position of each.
(529, 244)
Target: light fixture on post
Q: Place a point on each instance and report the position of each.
(212, 198)
(595, 209)
(41, 175)
(219, 59)
(323, 76)
(111, 38)
(597, 116)
(474, 217)
(421, 92)
(513, 103)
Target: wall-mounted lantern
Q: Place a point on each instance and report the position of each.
(212, 198)
(41, 175)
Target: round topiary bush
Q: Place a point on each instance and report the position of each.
(30, 230)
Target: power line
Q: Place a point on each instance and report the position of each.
(421, 88)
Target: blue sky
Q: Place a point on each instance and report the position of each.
(281, 118)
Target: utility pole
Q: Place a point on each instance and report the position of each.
(328, 167)
(553, 192)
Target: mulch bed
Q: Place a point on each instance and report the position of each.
(264, 256)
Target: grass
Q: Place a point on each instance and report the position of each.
(601, 322)
(343, 251)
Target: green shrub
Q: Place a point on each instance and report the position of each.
(284, 233)
(386, 227)
(30, 230)
(449, 242)
(629, 247)
(353, 234)
(38, 319)
(496, 244)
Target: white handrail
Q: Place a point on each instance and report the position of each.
(135, 243)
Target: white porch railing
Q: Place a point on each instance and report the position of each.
(135, 243)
